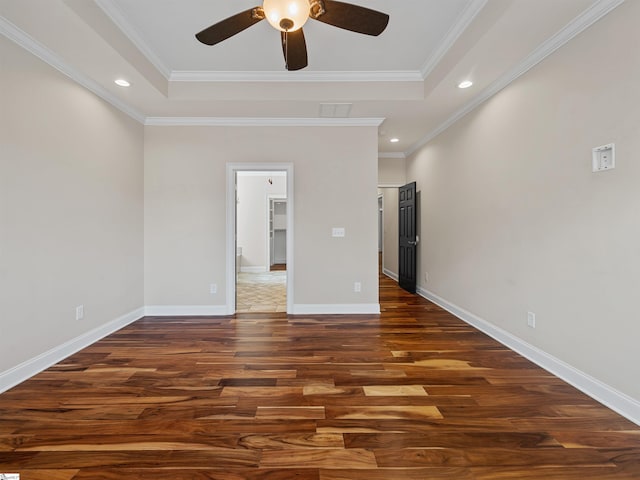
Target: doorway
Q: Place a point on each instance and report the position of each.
(259, 238)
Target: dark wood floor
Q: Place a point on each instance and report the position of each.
(411, 394)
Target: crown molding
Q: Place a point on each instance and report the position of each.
(261, 122)
(573, 28)
(464, 20)
(297, 76)
(27, 42)
(396, 155)
(114, 12)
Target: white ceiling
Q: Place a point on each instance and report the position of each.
(406, 76)
(168, 28)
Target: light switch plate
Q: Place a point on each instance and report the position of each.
(531, 319)
(338, 232)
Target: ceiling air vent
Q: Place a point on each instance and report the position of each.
(335, 110)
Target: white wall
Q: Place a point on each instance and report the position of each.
(185, 210)
(252, 230)
(71, 213)
(515, 221)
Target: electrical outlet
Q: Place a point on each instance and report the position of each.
(79, 312)
(531, 319)
(357, 287)
(213, 288)
(426, 276)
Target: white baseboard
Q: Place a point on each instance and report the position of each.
(337, 309)
(610, 397)
(222, 310)
(261, 269)
(390, 274)
(185, 310)
(18, 374)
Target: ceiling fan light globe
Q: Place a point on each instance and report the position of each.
(283, 13)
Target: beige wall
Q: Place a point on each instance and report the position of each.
(252, 230)
(71, 214)
(391, 172)
(515, 221)
(185, 210)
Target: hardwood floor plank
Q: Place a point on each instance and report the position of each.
(74, 441)
(285, 442)
(556, 472)
(213, 473)
(412, 393)
(358, 412)
(319, 458)
(591, 439)
(174, 459)
(394, 391)
(450, 439)
(262, 392)
(523, 457)
(432, 473)
(44, 474)
(291, 413)
(421, 457)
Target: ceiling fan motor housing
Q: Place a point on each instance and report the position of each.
(287, 15)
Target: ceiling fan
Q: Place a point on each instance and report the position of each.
(289, 16)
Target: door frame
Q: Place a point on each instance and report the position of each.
(232, 169)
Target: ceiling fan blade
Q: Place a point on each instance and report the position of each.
(354, 18)
(230, 26)
(294, 48)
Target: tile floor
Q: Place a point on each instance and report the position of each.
(262, 292)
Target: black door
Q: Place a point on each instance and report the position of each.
(407, 232)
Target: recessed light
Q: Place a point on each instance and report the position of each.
(394, 140)
(465, 84)
(122, 82)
